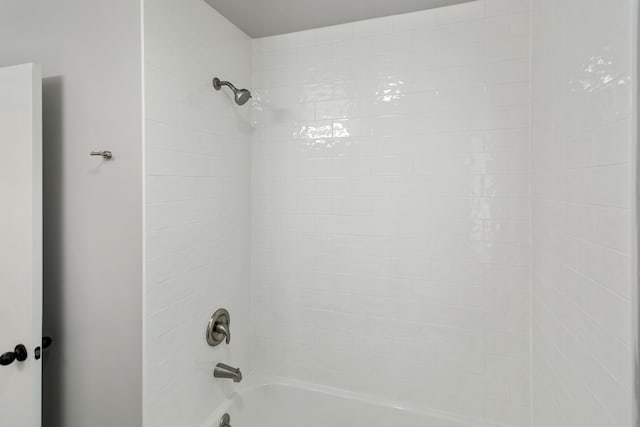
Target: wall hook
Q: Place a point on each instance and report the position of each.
(105, 154)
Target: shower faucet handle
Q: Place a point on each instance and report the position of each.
(218, 328)
(223, 328)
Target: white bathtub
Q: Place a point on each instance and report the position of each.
(288, 404)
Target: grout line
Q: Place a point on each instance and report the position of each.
(531, 264)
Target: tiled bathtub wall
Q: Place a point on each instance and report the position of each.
(197, 154)
(390, 189)
(581, 213)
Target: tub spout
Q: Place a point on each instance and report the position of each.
(225, 371)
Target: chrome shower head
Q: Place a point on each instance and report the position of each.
(241, 95)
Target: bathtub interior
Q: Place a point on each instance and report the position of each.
(285, 404)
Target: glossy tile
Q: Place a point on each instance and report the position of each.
(197, 160)
(581, 276)
(400, 212)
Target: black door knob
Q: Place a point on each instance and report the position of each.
(19, 353)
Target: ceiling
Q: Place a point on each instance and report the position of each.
(261, 18)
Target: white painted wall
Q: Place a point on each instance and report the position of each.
(90, 56)
(390, 208)
(197, 154)
(582, 154)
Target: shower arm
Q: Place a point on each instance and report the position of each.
(217, 84)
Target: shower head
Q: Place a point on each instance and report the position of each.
(241, 95)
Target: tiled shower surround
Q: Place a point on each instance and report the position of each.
(366, 216)
(197, 203)
(583, 239)
(390, 212)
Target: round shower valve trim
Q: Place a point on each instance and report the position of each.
(218, 328)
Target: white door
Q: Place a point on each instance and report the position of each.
(20, 245)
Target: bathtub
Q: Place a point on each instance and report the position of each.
(290, 404)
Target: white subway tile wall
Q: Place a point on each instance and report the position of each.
(389, 181)
(581, 213)
(197, 154)
(390, 208)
